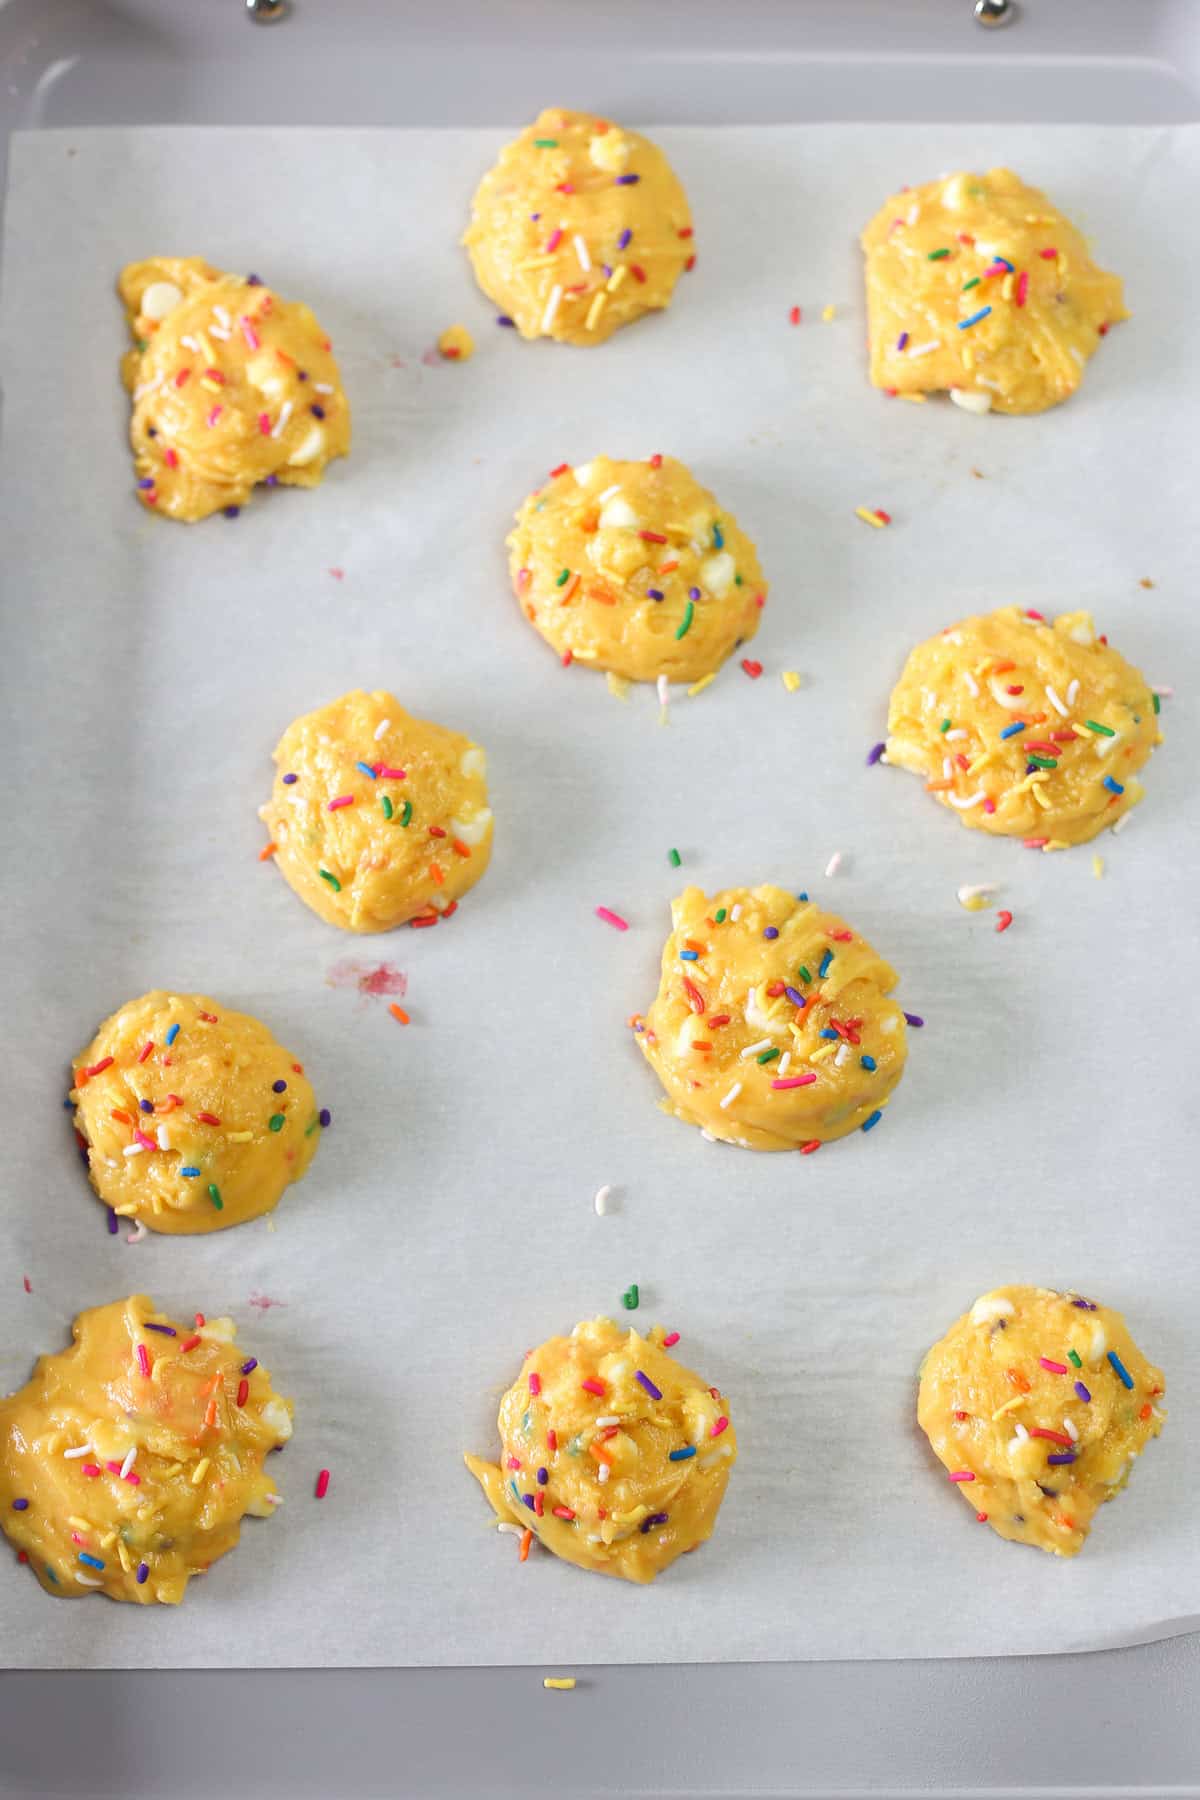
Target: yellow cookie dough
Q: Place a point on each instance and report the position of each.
(633, 567)
(128, 1461)
(1037, 1404)
(1025, 728)
(620, 1475)
(940, 254)
(231, 386)
(192, 1116)
(780, 1035)
(580, 228)
(378, 819)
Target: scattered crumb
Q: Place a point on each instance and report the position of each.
(795, 316)
(601, 1202)
(833, 865)
(618, 686)
(828, 314)
(978, 474)
(1145, 582)
(1098, 867)
(976, 898)
(563, 1683)
(28, 1284)
(374, 980)
(753, 669)
(338, 574)
(790, 679)
(698, 687)
(264, 1302)
(456, 344)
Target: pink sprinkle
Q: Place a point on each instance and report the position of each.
(535, 1384)
(670, 1341)
(145, 1051)
(792, 1081)
(89, 1469)
(963, 1475)
(114, 1468)
(553, 241)
(172, 458)
(592, 1386)
(248, 332)
(322, 1484)
(76, 1539)
(342, 800)
(612, 918)
(1035, 843)
(513, 1462)
(523, 577)
(551, 1441)
(133, 1478)
(144, 1366)
(1048, 254)
(147, 1143)
(1031, 614)
(989, 806)
(386, 774)
(214, 415)
(264, 424)
(28, 1284)
(1022, 287)
(721, 1425)
(1054, 1368)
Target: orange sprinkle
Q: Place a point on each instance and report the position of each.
(436, 873)
(590, 521)
(1018, 1380)
(568, 592)
(459, 848)
(526, 1540)
(668, 568)
(267, 852)
(1001, 668)
(601, 1454)
(1146, 1411)
(123, 1117)
(936, 787)
(600, 590)
(399, 1013)
(210, 1412)
(1062, 1519)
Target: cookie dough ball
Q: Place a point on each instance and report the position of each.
(977, 284)
(378, 819)
(1037, 1404)
(231, 386)
(614, 1456)
(772, 1027)
(192, 1116)
(1025, 728)
(580, 228)
(128, 1461)
(635, 568)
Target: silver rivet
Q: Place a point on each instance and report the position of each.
(994, 13)
(267, 12)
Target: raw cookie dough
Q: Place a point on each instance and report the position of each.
(939, 255)
(1037, 1403)
(620, 1475)
(1024, 728)
(128, 1461)
(192, 1116)
(378, 819)
(231, 386)
(633, 567)
(580, 228)
(772, 1027)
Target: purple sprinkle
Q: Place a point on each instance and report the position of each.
(607, 271)
(543, 1476)
(279, 1087)
(20, 1505)
(654, 593)
(1031, 768)
(147, 481)
(627, 180)
(503, 319)
(693, 593)
(253, 281)
(272, 481)
(167, 1330)
(654, 1519)
(528, 1499)
(288, 780)
(1087, 1305)
(231, 512)
(249, 1366)
(301, 374)
(146, 1105)
(654, 1393)
(902, 340)
(772, 931)
(113, 1226)
(143, 1569)
(318, 412)
(795, 996)
(1064, 1456)
(624, 238)
(912, 1019)
(875, 754)
(536, 215)
(1082, 1391)
(325, 1118)
(152, 431)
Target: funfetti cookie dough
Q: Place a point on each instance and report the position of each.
(192, 1117)
(128, 1461)
(579, 229)
(773, 1027)
(231, 385)
(1024, 727)
(1037, 1404)
(612, 1454)
(377, 818)
(978, 285)
(635, 568)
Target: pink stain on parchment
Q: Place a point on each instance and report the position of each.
(372, 980)
(264, 1302)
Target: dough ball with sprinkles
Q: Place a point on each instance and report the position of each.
(978, 285)
(378, 819)
(773, 1027)
(1025, 728)
(579, 229)
(612, 1455)
(1037, 1403)
(191, 1116)
(232, 386)
(129, 1460)
(633, 567)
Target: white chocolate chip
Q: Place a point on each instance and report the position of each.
(609, 150)
(474, 761)
(971, 402)
(583, 473)
(717, 573)
(276, 1417)
(991, 1306)
(475, 829)
(159, 299)
(618, 512)
(1099, 1342)
(309, 448)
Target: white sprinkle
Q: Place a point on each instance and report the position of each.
(732, 1095)
(147, 387)
(753, 1050)
(137, 1234)
(1055, 702)
(1069, 1428)
(972, 684)
(952, 735)
(1164, 693)
(970, 402)
(221, 316)
(133, 1149)
(1073, 693)
(736, 913)
(164, 1142)
(216, 332)
(601, 1200)
(1077, 354)
(970, 801)
(914, 213)
(842, 1057)
(86, 1581)
(581, 251)
(784, 1060)
(382, 729)
(516, 1530)
(602, 1472)
(82, 1451)
(925, 349)
(552, 305)
(285, 413)
(275, 1499)
(1021, 1431)
(322, 387)
(608, 493)
(1121, 823)
(834, 864)
(609, 1419)
(190, 343)
(130, 1459)
(664, 692)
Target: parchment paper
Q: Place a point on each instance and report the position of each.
(1045, 1130)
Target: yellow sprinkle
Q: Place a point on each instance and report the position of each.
(617, 277)
(126, 1212)
(917, 399)
(108, 1540)
(214, 387)
(79, 1524)
(1057, 844)
(1063, 264)
(698, 687)
(123, 1553)
(1009, 1405)
(618, 686)
(982, 762)
(827, 314)
(870, 518)
(200, 1470)
(595, 309)
(1098, 867)
(968, 357)
(790, 679)
(173, 1470)
(239, 1137)
(536, 262)
(824, 1051)
(1041, 798)
(456, 344)
(1006, 289)
(564, 1682)
(209, 354)
(975, 903)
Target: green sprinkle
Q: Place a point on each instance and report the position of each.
(1074, 1358)
(1042, 762)
(737, 581)
(51, 1574)
(720, 915)
(312, 1125)
(387, 806)
(630, 1298)
(214, 1194)
(767, 1056)
(937, 255)
(968, 285)
(333, 881)
(545, 143)
(1104, 730)
(406, 813)
(564, 577)
(687, 620)
(945, 725)
(1157, 703)
(803, 973)
(674, 858)
(275, 1122)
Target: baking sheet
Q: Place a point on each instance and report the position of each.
(1042, 1131)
